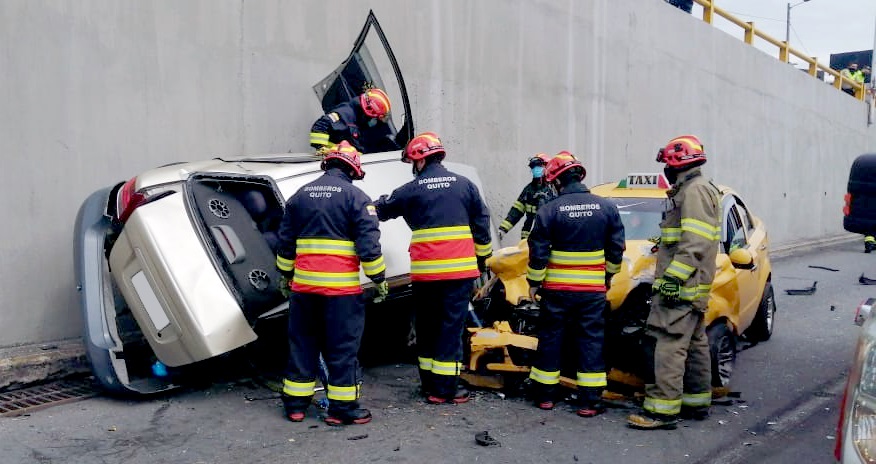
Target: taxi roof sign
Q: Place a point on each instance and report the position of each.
(644, 180)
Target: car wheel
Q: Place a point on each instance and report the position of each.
(722, 347)
(761, 328)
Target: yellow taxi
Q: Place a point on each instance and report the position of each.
(741, 302)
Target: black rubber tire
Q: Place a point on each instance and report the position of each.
(722, 347)
(761, 328)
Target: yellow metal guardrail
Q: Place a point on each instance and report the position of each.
(785, 51)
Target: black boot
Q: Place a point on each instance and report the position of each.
(348, 416)
(869, 246)
(461, 395)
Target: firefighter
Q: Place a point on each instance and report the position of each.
(449, 248)
(685, 270)
(575, 248)
(329, 227)
(361, 121)
(536, 193)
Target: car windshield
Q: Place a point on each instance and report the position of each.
(641, 216)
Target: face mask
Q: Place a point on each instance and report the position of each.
(372, 122)
(537, 172)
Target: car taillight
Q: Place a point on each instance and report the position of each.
(129, 199)
(847, 208)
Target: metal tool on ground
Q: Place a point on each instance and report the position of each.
(865, 280)
(484, 439)
(802, 291)
(813, 266)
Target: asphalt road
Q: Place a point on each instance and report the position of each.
(789, 390)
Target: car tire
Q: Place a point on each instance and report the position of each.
(722, 347)
(761, 328)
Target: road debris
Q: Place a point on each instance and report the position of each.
(357, 437)
(824, 267)
(722, 422)
(802, 291)
(866, 281)
(484, 439)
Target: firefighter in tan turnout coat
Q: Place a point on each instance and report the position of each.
(685, 270)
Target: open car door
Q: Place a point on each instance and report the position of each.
(370, 59)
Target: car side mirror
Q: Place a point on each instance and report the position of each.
(742, 259)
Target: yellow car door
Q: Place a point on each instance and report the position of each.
(738, 234)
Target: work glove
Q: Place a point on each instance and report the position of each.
(670, 288)
(608, 281)
(382, 291)
(283, 285)
(533, 293)
(482, 263)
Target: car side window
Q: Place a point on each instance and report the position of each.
(733, 229)
(744, 214)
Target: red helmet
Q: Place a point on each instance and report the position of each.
(421, 146)
(682, 151)
(375, 103)
(540, 159)
(349, 155)
(560, 163)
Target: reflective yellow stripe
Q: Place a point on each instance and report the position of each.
(700, 228)
(612, 268)
(446, 367)
(425, 363)
(284, 264)
(544, 377)
(577, 258)
(326, 279)
(524, 234)
(680, 270)
(670, 234)
(574, 276)
(506, 226)
(869, 239)
(696, 400)
(441, 233)
(291, 388)
(536, 275)
(484, 250)
(665, 407)
(334, 392)
(324, 246)
(518, 206)
(319, 138)
(433, 266)
(591, 379)
(531, 208)
(374, 267)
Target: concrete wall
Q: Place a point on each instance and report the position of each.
(95, 91)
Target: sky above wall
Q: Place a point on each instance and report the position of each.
(818, 27)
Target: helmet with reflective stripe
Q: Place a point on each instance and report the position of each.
(560, 163)
(682, 151)
(348, 155)
(539, 159)
(422, 146)
(375, 103)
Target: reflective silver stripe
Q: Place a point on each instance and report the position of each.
(665, 407)
(325, 246)
(612, 268)
(591, 379)
(670, 234)
(696, 400)
(700, 228)
(536, 275)
(349, 393)
(441, 233)
(544, 377)
(374, 267)
(446, 367)
(298, 388)
(577, 258)
(680, 270)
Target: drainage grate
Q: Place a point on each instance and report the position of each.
(27, 400)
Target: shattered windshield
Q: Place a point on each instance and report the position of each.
(641, 216)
